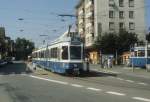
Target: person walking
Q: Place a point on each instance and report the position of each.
(109, 62)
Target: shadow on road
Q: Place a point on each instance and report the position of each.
(93, 74)
(97, 74)
(16, 68)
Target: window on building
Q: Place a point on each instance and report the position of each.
(111, 25)
(111, 3)
(121, 3)
(111, 14)
(121, 14)
(131, 26)
(131, 14)
(131, 3)
(121, 25)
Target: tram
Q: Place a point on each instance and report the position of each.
(140, 56)
(64, 55)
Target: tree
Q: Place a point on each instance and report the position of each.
(23, 48)
(106, 43)
(125, 40)
(111, 42)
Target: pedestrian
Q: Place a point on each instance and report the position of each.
(109, 62)
(34, 66)
(87, 63)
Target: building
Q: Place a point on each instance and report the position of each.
(2, 40)
(2, 33)
(6, 44)
(97, 17)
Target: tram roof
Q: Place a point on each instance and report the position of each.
(140, 48)
(73, 39)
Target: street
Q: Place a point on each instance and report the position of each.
(18, 84)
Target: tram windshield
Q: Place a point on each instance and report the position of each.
(75, 52)
(141, 53)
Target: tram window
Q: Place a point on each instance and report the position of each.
(75, 52)
(65, 52)
(42, 54)
(135, 54)
(54, 52)
(49, 53)
(148, 53)
(141, 53)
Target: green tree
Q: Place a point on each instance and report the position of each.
(111, 42)
(23, 48)
(106, 43)
(125, 40)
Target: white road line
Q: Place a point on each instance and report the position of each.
(93, 89)
(116, 93)
(130, 81)
(141, 99)
(76, 85)
(120, 79)
(145, 84)
(55, 81)
(95, 69)
(114, 72)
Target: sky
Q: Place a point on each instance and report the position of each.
(40, 17)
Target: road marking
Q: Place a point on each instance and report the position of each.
(93, 89)
(106, 71)
(76, 85)
(114, 72)
(145, 84)
(95, 69)
(23, 74)
(55, 81)
(130, 81)
(141, 99)
(116, 93)
(120, 79)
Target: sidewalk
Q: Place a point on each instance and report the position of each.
(138, 72)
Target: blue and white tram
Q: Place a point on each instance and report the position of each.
(63, 56)
(140, 56)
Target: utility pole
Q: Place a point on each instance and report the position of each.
(146, 49)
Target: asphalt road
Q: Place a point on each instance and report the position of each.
(17, 84)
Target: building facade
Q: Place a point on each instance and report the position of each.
(97, 17)
(2, 41)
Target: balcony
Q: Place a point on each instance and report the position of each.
(88, 4)
(90, 14)
(111, 3)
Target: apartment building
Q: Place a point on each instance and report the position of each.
(97, 17)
